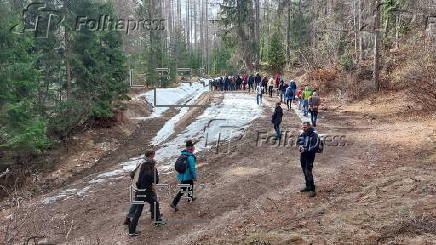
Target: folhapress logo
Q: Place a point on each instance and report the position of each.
(39, 19)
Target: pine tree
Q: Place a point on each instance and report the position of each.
(21, 128)
(276, 55)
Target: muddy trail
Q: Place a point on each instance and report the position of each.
(368, 191)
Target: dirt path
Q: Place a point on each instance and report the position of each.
(367, 193)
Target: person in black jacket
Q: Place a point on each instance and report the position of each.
(238, 83)
(257, 80)
(265, 84)
(145, 176)
(251, 83)
(308, 143)
(277, 120)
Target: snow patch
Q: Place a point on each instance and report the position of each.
(219, 122)
(173, 96)
(169, 127)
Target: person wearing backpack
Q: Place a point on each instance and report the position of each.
(314, 103)
(309, 144)
(188, 160)
(145, 175)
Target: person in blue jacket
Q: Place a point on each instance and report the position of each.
(289, 96)
(188, 177)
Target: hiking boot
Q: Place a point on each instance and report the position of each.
(134, 234)
(192, 199)
(305, 190)
(174, 207)
(312, 194)
(127, 221)
(161, 215)
(159, 222)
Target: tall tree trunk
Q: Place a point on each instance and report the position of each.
(206, 23)
(191, 21)
(257, 32)
(288, 35)
(377, 46)
(397, 31)
(188, 24)
(195, 25)
(179, 12)
(202, 32)
(360, 31)
(170, 18)
(67, 62)
(387, 27)
(355, 27)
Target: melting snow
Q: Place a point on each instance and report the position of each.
(181, 95)
(218, 122)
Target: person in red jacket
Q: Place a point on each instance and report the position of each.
(244, 82)
(300, 98)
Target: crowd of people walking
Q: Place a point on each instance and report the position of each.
(304, 97)
(146, 177)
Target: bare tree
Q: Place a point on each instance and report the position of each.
(377, 46)
(206, 23)
(360, 18)
(179, 12)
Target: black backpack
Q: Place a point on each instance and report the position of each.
(181, 164)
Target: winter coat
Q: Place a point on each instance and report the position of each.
(314, 103)
(258, 79)
(277, 116)
(278, 79)
(300, 94)
(264, 82)
(289, 94)
(271, 82)
(191, 171)
(145, 176)
(284, 88)
(309, 141)
(307, 93)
